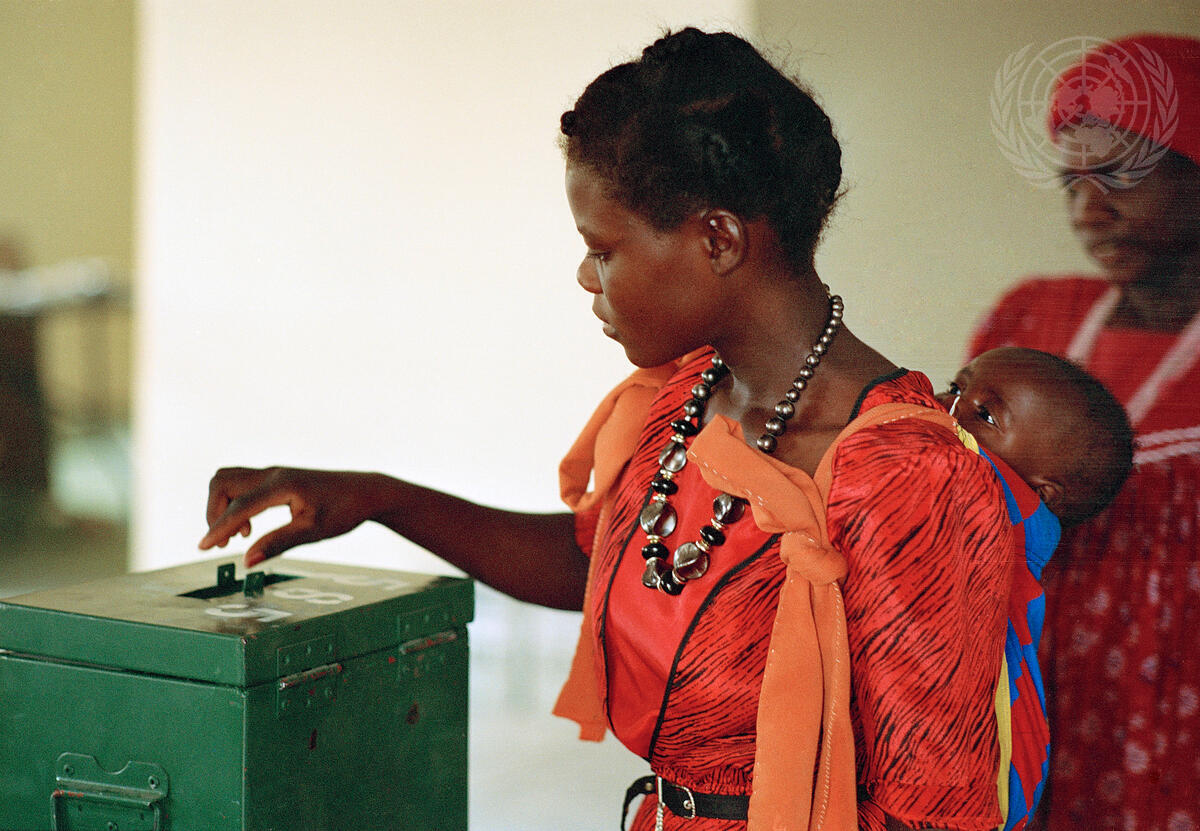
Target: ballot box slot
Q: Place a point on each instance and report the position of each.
(227, 584)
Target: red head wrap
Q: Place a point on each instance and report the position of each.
(1147, 84)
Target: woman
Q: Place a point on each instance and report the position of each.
(1124, 590)
(700, 178)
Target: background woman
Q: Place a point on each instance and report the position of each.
(699, 178)
(1124, 590)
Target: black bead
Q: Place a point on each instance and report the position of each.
(684, 427)
(664, 486)
(669, 584)
(711, 535)
(655, 549)
(766, 443)
(693, 407)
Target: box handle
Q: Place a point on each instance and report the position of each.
(134, 789)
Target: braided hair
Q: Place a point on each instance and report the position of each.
(702, 120)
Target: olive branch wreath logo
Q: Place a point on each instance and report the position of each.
(1036, 159)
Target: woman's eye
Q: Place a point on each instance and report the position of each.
(598, 256)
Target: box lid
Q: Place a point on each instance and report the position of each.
(187, 622)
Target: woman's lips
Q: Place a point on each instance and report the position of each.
(1108, 253)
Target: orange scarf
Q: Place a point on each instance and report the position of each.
(804, 729)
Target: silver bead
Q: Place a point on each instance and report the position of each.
(793, 395)
(798, 385)
(812, 360)
(673, 457)
(818, 349)
(776, 426)
(784, 409)
(653, 573)
(766, 443)
(658, 518)
(806, 372)
(691, 562)
(728, 508)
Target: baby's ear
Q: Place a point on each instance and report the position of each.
(1052, 492)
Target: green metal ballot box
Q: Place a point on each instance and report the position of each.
(303, 697)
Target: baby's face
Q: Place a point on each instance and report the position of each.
(1014, 413)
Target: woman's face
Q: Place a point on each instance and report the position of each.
(1144, 233)
(651, 288)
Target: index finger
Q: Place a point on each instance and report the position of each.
(235, 496)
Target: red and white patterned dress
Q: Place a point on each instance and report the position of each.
(1122, 659)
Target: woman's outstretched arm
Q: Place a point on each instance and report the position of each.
(532, 557)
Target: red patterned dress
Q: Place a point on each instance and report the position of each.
(1123, 591)
(922, 524)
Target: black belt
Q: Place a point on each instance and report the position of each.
(686, 803)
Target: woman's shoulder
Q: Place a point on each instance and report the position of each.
(902, 386)
(908, 446)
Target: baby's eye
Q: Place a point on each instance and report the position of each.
(952, 388)
(984, 415)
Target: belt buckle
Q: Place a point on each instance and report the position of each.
(689, 801)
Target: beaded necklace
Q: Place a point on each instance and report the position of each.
(658, 518)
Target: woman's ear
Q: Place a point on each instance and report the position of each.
(725, 241)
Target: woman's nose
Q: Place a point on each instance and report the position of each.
(587, 277)
(1090, 203)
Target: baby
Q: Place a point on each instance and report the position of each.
(1062, 447)
(1058, 428)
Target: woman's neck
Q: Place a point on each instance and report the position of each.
(766, 351)
(1161, 306)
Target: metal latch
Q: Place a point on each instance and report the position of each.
(87, 796)
(419, 634)
(302, 685)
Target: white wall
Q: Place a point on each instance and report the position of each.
(354, 248)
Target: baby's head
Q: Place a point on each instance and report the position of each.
(1056, 426)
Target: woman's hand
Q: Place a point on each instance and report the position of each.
(323, 504)
(532, 557)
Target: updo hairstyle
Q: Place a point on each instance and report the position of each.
(702, 121)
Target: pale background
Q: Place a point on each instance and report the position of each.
(350, 248)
